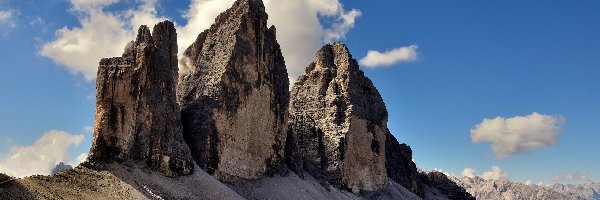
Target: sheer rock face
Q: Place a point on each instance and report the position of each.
(234, 98)
(137, 116)
(400, 167)
(340, 122)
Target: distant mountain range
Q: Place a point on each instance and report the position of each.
(61, 167)
(507, 190)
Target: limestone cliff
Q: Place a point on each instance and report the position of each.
(137, 116)
(234, 99)
(340, 122)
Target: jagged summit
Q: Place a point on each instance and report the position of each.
(340, 121)
(137, 116)
(335, 56)
(234, 97)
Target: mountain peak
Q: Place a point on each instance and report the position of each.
(335, 56)
(237, 72)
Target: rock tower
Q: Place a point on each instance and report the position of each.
(137, 116)
(234, 98)
(340, 122)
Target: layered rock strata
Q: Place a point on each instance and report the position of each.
(137, 115)
(234, 98)
(340, 122)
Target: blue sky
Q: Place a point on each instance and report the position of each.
(474, 60)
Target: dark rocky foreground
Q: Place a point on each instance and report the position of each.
(228, 128)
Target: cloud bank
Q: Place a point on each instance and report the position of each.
(495, 174)
(375, 59)
(510, 136)
(302, 27)
(41, 157)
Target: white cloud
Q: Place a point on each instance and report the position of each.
(528, 182)
(38, 21)
(468, 172)
(571, 176)
(104, 34)
(5, 15)
(495, 174)
(376, 59)
(519, 134)
(101, 34)
(80, 158)
(301, 34)
(41, 157)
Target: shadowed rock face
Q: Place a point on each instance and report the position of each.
(340, 122)
(137, 116)
(448, 187)
(235, 95)
(400, 167)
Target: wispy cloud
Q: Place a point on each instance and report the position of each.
(7, 20)
(510, 136)
(375, 59)
(41, 157)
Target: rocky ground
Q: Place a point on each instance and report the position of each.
(116, 181)
(133, 181)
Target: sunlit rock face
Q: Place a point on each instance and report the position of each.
(234, 98)
(340, 122)
(137, 115)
